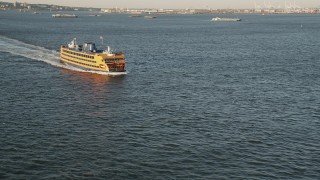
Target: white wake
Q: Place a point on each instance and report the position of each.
(38, 53)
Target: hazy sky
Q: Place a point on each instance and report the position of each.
(214, 4)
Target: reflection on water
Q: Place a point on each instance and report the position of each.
(95, 91)
(92, 91)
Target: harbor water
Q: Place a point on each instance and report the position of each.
(200, 100)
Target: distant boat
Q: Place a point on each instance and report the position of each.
(225, 19)
(64, 16)
(150, 17)
(35, 13)
(136, 15)
(94, 15)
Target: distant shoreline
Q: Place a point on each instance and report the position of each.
(47, 7)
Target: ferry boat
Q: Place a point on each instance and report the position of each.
(225, 19)
(135, 16)
(87, 56)
(64, 16)
(150, 17)
(95, 15)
